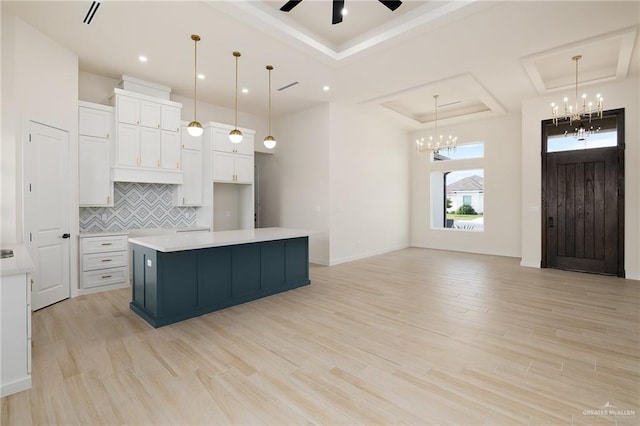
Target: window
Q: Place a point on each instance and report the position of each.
(563, 137)
(457, 195)
(458, 199)
(462, 152)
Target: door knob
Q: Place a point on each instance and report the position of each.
(66, 235)
(550, 222)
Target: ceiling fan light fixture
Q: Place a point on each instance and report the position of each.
(195, 128)
(235, 136)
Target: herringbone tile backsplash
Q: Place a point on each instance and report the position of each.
(137, 206)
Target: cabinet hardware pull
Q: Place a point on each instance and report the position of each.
(107, 260)
(107, 135)
(106, 244)
(158, 126)
(137, 121)
(158, 163)
(177, 164)
(106, 276)
(108, 198)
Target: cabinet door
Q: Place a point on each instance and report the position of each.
(149, 147)
(128, 145)
(128, 110)
(94, 174)
(170, 118)
(150, 114)
(222, 166)
(170, 150)
(221, 141)
(246, 146)
(94, 122)
(14, 323)
(188, 141)
(243, 165)
(192, 168)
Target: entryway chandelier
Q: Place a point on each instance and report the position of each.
(436, 142)
(577, 112)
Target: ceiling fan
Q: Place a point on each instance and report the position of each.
(338, 5)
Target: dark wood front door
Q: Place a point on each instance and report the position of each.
(583, 204)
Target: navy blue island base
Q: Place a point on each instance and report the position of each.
(176, 285)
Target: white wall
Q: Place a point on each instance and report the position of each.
(40, 83)
(617, 95)
(501, 164)
(369, 185)
(298, 194)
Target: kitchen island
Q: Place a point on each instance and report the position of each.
(181, 276)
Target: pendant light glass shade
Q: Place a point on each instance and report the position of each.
(195, 128)
(235, 136)
(270, 141)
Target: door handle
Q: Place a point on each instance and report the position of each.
(66, 235)
(550, 222)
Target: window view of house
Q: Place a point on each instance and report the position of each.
(458, 199)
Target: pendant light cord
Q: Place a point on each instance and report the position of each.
(236, 54)
(270, 68)
(195, 78)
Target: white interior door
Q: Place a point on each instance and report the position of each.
(46, 212)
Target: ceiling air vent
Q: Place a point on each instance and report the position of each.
(288, 85)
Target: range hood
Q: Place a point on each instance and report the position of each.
(147, 175)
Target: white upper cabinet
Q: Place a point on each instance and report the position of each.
(170, 118)
(95, 128)
(150, 114)
(148, 138)
(170, 150)
(128, 109)
(95, 121)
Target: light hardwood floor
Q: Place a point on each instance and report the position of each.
(411, 337)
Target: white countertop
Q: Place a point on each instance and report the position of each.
(20, 263)
(142, 232)
(198, 240)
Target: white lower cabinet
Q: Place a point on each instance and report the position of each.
(104, 261)
(15, 300)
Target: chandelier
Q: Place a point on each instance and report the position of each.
(436, 142)
(577, 112)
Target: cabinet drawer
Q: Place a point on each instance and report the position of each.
(95, 261)
(104, 244)
(104, 277)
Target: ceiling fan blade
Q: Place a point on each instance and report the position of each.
(338, 5)
(290, 5)
(391, 4)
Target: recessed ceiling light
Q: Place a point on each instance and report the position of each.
(245, 90)
(326, 88)
(142, 58)
(201, 76)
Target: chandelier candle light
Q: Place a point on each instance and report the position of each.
(436, 143)
(235, 135)
(195, 128)
(269, 141)
(578, 112)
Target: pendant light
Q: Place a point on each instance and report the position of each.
(270, 141)
(195, 128)
(235, 135)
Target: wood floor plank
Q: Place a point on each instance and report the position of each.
(415, 336)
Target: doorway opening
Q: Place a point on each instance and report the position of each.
(583, 196)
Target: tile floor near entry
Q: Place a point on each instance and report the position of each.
(415, 336)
